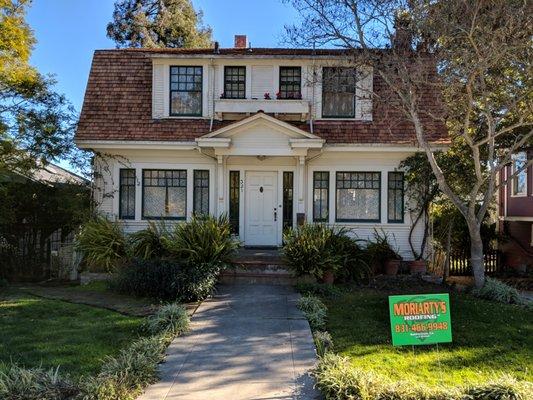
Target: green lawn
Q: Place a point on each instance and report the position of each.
(42, 332)
(488, 339)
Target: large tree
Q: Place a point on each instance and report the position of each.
(158, 23)
(36, 123)
(476, 53)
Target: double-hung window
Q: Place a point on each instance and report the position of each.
(395, 195)
(290, 82)
(358, 196)
(338, 92)
(127, 194)
(519, 181)
(235, 82)
(320, 196)
(185, 91)
(201, 192)
(164, 194)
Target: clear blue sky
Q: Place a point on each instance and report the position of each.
(68, 31)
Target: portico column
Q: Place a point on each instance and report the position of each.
(300, 169)
(220, 185)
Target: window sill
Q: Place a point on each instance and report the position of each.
(365, 221)
(164, 218)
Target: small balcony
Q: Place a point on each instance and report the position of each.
(228, 109)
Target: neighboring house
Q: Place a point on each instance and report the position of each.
(272, 137)
(516, 211)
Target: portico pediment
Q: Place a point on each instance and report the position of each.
(260, 134)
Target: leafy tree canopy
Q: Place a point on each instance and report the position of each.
(157, 24)
(36, 123)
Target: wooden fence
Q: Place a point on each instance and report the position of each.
(460, 263)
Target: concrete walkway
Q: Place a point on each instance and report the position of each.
(248, 342)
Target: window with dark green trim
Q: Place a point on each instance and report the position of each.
(234, 199)
(395, 195)
(126, 194)
(288, 196)
(338, 92)
(201, 192)
(320, 196)
(186, 91)
(234, 82)
(164, 194)
(290, 82)
(358, 196)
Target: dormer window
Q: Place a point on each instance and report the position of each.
(338, 92)
(234, 83)
(186, 91)
(290, 83)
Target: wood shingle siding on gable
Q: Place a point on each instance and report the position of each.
(125, 100)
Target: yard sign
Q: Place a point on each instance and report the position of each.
(420, 319)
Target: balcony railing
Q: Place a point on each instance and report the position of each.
(290, 109)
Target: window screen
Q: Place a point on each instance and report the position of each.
(320, 196)
(127, 194)
(164, 194)
(338, 92)
(186, 90)
(235, 82)
(358, 196)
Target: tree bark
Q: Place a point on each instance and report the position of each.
(476, 253)
(446, 272)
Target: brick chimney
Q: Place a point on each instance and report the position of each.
(241, 42)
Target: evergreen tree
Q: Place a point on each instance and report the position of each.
(158, 24)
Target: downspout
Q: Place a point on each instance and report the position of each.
(311, 106)
(212, 63)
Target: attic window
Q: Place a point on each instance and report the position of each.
(338, 92)
(186, 91)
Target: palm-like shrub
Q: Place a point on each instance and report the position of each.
(380, 250)
(353, 259)
(203, 240)
(308, 250)
(148, 243)
(102, 244)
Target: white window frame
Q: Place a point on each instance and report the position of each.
(515, 157)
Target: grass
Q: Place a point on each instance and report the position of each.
(488, 339)
(42, 332)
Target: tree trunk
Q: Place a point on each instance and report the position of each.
(476, 254)
(446, 272)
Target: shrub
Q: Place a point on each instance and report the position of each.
(125, 376)
(323, 342)
(379, 250)
(338, 380)
(308, 250)
(314, 310)
(34, 384)
(353, 259)
(170, 319)
(148, 243)
(203, 240)
(319, 289)
(496, 290)
(165, 280)
(102, 244)
(503, 388)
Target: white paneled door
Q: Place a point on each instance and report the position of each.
(261, 213)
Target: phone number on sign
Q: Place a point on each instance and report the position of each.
(433, 326)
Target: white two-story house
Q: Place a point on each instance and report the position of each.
(272, 137)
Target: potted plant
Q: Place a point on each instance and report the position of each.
(267, 96)
(417, 267)
(383, 257)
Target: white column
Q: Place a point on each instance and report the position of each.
(300, 172)
(220, 185)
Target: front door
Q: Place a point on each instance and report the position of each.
(261, 213)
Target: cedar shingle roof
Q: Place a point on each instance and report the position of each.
(118, 102)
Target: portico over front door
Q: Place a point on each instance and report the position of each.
(261, 212)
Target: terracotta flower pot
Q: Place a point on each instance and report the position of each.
(391, 267)
(328, 277)
(417, 267)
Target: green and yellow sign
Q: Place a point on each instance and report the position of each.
(420, 319)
